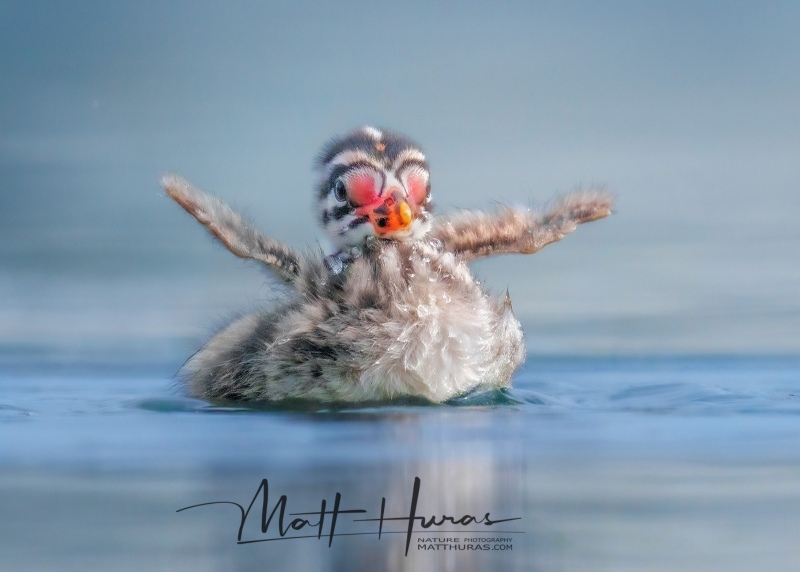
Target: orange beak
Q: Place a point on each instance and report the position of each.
(394, 213)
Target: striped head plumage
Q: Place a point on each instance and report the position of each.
(373, 184)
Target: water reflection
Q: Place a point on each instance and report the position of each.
(470, 485)
(577, 514)
(610, 463)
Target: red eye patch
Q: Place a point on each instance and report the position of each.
(362, 189)
(417, 185)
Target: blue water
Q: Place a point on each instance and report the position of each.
(612, 463)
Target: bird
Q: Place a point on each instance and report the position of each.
(394, 310)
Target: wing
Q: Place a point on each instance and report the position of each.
(474, 234)
(232, 230)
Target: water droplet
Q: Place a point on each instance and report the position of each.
(334, 264)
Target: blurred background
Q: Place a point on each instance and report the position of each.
(688, 111)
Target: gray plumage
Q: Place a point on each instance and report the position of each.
(395, 311)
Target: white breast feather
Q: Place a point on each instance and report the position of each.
(437, 341)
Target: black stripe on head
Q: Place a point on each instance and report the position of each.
(386, 149)
(340, 170)
(357, 222)
(358, 139)
(338, 213)
(412, 163)
(396, 144)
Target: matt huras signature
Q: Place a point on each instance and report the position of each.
(318, 519)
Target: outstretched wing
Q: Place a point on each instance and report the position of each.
(232, 230)
(474, 234)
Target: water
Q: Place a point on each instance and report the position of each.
(614, 463)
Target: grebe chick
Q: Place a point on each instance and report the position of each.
(394, 311)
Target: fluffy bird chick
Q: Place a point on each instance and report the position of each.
(395, 311)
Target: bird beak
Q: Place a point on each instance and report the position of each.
(392, 214)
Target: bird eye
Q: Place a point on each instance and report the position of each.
(340, 191)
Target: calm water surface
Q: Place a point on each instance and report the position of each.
(666, 463)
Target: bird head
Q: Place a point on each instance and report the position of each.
(374, 184)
